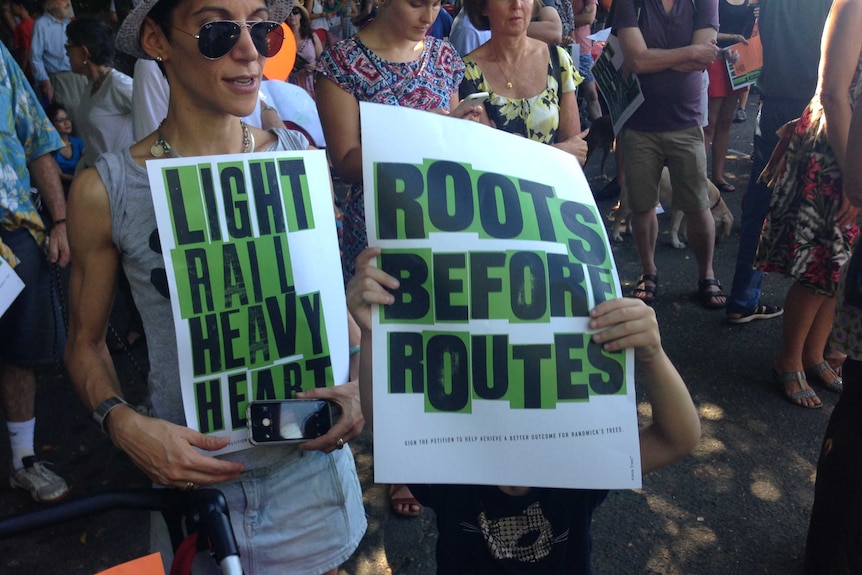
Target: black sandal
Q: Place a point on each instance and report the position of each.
(707, 295)
(642, 291)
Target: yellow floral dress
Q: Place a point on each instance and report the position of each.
(537, 117)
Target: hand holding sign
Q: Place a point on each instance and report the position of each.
(166, 452)
(368, 286)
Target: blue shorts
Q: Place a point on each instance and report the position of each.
(585, 65)
(303, 517)
(28, 330)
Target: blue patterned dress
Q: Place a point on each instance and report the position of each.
(427, 83)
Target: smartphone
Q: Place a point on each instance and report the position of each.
(287, 420)
(472, 100)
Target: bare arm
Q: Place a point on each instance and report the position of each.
(548, 28)
(852, 177)
(569, 135)
(841, 46)
(642, 60)
(91, 290)
(318, 47)
(587, 17)
(339, 115)
(164, 451)
(675, 427)
(368, 287)
(46, 175)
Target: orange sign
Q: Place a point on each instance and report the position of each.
(149, 565)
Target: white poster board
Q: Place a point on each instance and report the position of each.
(253, 267)
(484, 368)
(10, 286)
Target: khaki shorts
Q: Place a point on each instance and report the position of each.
(646, 153)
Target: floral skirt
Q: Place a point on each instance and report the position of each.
(800, 237)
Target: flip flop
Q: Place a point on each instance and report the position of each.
(399, 504)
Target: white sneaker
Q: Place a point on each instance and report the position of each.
(44, 485)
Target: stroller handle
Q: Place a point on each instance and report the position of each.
(205, 512)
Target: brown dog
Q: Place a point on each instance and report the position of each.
(600, 137)
(720, 212)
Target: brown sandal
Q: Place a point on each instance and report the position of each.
(402, 505)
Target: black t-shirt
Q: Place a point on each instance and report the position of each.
(483, 531)
(735, 19)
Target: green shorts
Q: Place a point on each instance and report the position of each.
(646, 153)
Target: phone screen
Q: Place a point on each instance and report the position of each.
(290, 420)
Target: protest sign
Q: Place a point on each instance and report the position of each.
(10, 286)
(252, 262)
(485, 371)
(747, 69)
(621, 92)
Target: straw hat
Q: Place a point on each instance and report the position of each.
(129, 34)
(299, 6)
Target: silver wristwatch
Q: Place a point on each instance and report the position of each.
(104, 408)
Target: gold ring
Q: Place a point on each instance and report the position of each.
(189, 486)
(339, 444)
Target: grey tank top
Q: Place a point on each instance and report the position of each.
(135, 234)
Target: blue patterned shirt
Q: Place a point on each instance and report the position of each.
(25, 134)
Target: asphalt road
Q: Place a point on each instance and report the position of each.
(739, 504)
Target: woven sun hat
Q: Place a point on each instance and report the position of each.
(299, 6)
(129, 34)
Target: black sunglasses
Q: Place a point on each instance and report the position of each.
(295, 11)
(217, 38)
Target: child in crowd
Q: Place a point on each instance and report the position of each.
(507, 529)
(69, 156)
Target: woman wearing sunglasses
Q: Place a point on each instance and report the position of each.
(295, 511)
(308, 49)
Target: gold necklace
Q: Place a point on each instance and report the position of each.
(162, 148)
(505, 75)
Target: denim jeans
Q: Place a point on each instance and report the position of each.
(774, 113)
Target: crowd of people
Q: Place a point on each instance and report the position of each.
(79, 132)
